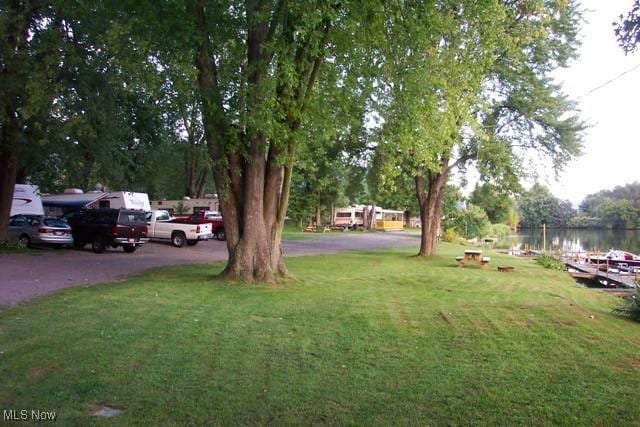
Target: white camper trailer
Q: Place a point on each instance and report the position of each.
(352, 217)
(26, 200)
(74, 199)
(187, 205)
(123, 200)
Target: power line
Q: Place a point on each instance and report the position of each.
(608, 82)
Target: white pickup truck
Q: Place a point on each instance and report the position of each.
(160, 226)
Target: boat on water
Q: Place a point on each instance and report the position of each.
(618, 258)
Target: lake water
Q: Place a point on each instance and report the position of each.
(580, 240)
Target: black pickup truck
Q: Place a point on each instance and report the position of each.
(109, 227)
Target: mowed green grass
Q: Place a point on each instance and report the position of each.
(360, 338)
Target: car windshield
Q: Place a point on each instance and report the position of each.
(55, 222)
(132, 218)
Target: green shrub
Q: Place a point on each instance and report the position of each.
(472, 222)
(631, 309)
(450, 235)
(9, 246)
(501, 231)
(547, 261)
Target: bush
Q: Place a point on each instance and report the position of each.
(9, 246)
(547, 261)
(472, 222)
(450, 235)
(631, 309)
(501, 231)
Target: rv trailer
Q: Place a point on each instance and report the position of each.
(352, 217)
(188, 206)
(75, 199)
(26, 200)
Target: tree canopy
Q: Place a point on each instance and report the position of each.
(627, 29)
(476, 91)
(124, 93)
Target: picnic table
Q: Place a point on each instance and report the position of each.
(473, 256)
(312, 228)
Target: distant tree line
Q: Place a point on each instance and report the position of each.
(614, 209)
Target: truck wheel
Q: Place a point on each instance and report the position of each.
(129, 248)
(178, 239)
(220, 235)
(192, 242)
(98, 245)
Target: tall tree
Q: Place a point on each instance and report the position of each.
(28, 32)
(538, 206)
(495, 201)
(79, 105)
(258, 64)
(479, 92)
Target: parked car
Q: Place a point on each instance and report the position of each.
(39, 229)
(161, 226)
(207, 217)
(109, 227)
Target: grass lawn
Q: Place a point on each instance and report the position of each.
(11, 248)
(366, 338)
(294, 232)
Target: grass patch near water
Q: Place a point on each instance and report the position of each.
(367, 338)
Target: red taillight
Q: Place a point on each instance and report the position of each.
(114, 231)
(197, 229)
(45, 230)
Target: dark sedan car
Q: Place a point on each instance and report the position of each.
(38, 229)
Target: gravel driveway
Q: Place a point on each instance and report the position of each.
(25, 276)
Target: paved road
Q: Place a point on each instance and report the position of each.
(26, 276)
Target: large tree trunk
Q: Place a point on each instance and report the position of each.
(12, 71)
(245, 184)
(253, 182)
(430, 192)
(8, 168)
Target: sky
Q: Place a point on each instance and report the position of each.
(612, 142)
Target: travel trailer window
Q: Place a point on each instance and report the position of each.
(197, 209)
(343, 214)
(358, 214)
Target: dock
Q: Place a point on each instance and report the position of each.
(592, 272)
